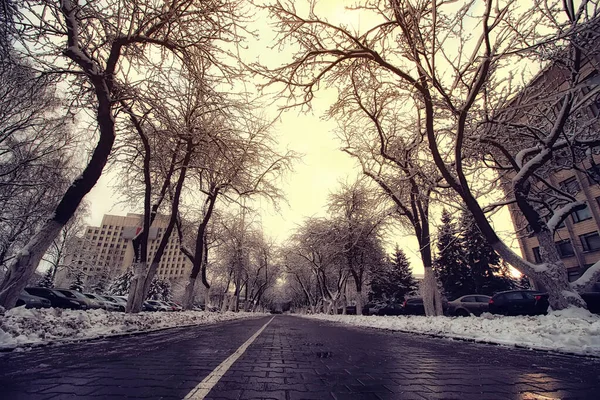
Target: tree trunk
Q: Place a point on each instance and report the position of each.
(207, 303)
(27, 260)
(188, 296)
(136, 292)
(432, 300)
(25, 263)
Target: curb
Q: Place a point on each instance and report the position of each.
(469, 340)
(59, 342)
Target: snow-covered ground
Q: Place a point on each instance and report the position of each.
(570, 331)
(22, 327)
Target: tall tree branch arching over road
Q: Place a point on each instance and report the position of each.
(450, 57)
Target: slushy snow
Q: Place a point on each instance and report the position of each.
(571, 331)
(22, 327)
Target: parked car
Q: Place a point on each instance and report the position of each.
(104, 303)
(121, 301)
(475, 304)
(350, 310)
(414, 306)
(372, 308)
(391, 309)
(78, 296)
(155, 305)
(29, 301)
(593, 301)
(519, 302)
(176, 306)
(57, 299)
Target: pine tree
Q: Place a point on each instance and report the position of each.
(101, 285)
(489, 274)
(77, 283)
(48, 279)
(120, 286)
(451, 265)
(160, 289)
(394, 280)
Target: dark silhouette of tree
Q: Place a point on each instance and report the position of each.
(450, 263)
(48, 279)
(394, 280)
(77, 283)
(488, 272)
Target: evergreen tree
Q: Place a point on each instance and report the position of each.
(120, 286)
(77, 283)
(101, 285)
(160, 289)
(48, 279)
(450, 264)
(489, 274)
(393, 281)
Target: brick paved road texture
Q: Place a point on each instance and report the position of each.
(294, 358)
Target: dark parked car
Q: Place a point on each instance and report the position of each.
(350, 310)
(391, 309)
(29, 301)
(120, 301)
(593, 301)
(105, 303)
(77, 296)
(372, 308)
(57, 299)
(475, 304)
(519, 302)
(415, 306)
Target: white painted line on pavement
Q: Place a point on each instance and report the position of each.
(202, 389)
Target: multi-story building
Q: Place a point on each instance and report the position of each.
(578, 238)
(107, 250)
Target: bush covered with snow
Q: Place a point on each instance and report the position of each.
(571, 330)
(20, 326)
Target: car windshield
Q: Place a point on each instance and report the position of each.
(67, 293)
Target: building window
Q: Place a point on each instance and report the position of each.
(536, 255)
(590, 241)
(593, 174)
(573, 275)
(570, 185)
(565, 249)
(582, 215)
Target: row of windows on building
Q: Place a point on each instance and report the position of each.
(576, 217)
(589, 242)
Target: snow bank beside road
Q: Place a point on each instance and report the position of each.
(20, 326)
(570, 331)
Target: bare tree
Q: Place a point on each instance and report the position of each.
(358, 218)
(234, 164)
(317, 248)
(452, 59)
(373, 133)
(88, 42)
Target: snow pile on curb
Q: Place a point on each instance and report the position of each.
(20, 326)
(571, 331)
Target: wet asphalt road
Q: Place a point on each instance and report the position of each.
(294, 358)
